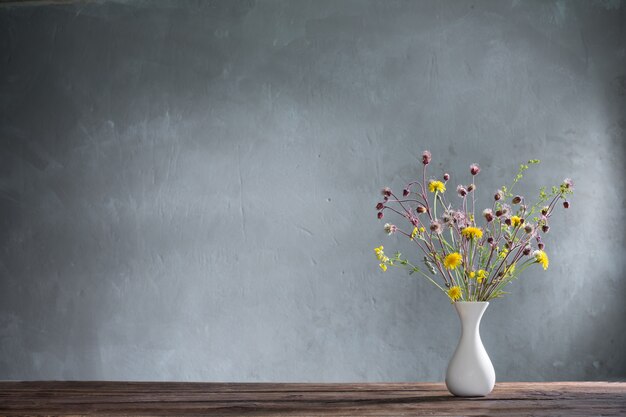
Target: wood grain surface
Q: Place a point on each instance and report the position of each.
(369, 399)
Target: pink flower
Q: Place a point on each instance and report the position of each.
(446, 176)
(435, 226)
(386, 191)
(568, 183)
(462, 191)
(474, 169)
(426, 157)
(390, 228)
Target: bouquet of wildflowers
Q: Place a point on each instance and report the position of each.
(466, 260)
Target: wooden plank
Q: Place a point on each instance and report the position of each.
(229, 399)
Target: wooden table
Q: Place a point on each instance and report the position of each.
(219, 399)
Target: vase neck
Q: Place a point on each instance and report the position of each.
(470, 314)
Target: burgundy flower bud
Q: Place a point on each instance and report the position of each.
(527, 250)
(538, 238)
(545, 228)
(566, 204)
(446, 176)
(380, 215)
(414, 221)
(426, 157)
(474, 169)
(498, 213)
(386, 199)
(380, 206)
(540, 245)
(522, 220)
(386, 192)
(498, 195)
(528, 228)
(421, 209)
(462, 191)
(544, 211)
(490, 240)
(507, 221)
(405, 192)
(517, 199)
(471, 188)
(488, 213)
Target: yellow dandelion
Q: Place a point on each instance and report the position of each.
(472, 274)
(436, 186)
(414, 233)
(481, 275)
(383, 267)
(472, 232)
(452, 260)
(515, 221)
(542, 258)
(454, 293)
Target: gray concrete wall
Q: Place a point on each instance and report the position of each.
(187, 188)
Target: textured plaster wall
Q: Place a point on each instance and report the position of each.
(187, 189)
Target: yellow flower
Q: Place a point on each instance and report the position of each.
(472, 232)
(542, 258)
(515, 221)
(383, 267)
(422, 230)
(503, 253)
(452, 260)
(414, 233)
(472, 274)
(481, 275)
(380, 254)
(436, 186)
(510, 270)
(454, 293)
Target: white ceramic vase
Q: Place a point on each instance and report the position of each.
(470, 372)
